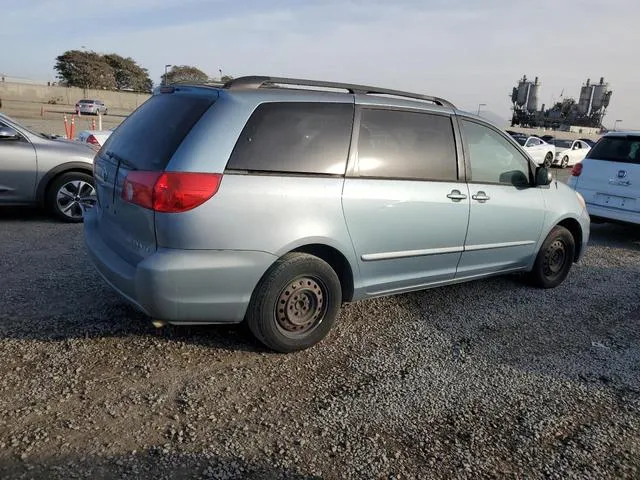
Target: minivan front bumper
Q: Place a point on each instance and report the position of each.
(181, 286)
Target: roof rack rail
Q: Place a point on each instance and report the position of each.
(255, 82)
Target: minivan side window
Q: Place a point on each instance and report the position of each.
(406, 145)
(295, 137)
(493, 158)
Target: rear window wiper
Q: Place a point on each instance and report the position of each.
(121, 160)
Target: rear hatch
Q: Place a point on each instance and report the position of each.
(609, 176)
(140, 148)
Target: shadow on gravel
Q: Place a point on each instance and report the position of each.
(615, 235)
(152, 463)
(24, 214)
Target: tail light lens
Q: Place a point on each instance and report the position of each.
(576, 170)
(93, 141)
(169, 192)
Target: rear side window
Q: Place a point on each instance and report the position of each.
(406, 145)
(295, 137)
(617, 149)
(149, 137)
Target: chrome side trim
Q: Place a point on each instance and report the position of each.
(491, 246)
(371, 257)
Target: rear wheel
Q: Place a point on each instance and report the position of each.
(554, 259)
(548, 159)
(69, 194)
(295, 304)
(565, 162)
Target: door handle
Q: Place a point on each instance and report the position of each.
(456, 195)
(481, 196)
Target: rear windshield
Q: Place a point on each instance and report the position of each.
(617, 149)
(86, 101)
(149, 137)
(520, 140)
(563, 143)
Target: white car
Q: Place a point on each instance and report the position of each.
(94, 137)
(540, 151)
(609, 178)
(570, 152)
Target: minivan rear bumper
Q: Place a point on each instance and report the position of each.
(181, 286)
(617, 214)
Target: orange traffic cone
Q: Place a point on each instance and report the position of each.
(66, 125)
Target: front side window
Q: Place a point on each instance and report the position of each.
(295, 137)
(493, 159)
(406, 145)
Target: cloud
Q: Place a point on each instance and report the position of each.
(469, 52)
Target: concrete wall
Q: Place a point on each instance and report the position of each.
(25, 92)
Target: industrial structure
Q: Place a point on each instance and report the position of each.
(588, 112)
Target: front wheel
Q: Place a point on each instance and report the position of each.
(70, 194)
(554, 259)
(295, 304)
(565, 162)
(548, 159)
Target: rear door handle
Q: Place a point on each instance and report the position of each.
(456, 195)
(481, 197)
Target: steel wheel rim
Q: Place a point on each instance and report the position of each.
(74, 197)
(301, 306)
(555, 258)
(565, 161)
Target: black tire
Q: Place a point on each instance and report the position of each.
(309, 293)
(548, 159)
(564, 162)
(67, 205)
(554, 259)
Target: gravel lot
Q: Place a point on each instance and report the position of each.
(486, 379)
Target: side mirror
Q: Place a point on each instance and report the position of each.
(8, 133)
(543, 177)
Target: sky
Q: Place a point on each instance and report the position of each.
(467, 51)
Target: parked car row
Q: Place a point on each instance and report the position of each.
(273, 206)
(548, 150)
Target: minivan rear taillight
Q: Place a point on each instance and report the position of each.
(169, 192)
(576, 170)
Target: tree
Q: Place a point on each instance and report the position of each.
(128, 74)
(185, 73)
(85, 70)
(226, 78)
(91, 70)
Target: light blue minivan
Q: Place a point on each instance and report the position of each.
(275, 200)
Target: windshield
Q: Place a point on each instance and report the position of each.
(563, 143)
(148, 138)
(521, 140)
(617, 149)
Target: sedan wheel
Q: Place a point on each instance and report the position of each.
(565, 162)
(70, 195)
(548, 159)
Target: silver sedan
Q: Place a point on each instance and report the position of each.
(39, 169)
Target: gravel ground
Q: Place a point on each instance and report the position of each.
(487, 379)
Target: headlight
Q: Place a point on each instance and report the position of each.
(581, 200)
